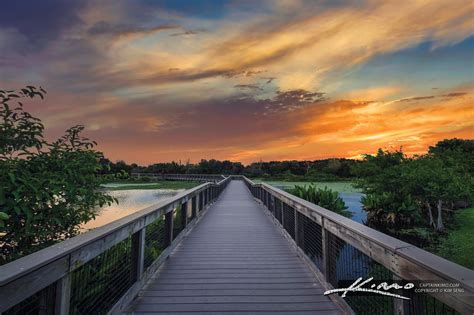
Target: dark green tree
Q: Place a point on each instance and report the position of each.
(46, 189)
(399, 189)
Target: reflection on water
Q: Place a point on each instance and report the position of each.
(352, 201)
(130, 201)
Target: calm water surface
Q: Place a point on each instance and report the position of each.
(130, 201)
(354, 205)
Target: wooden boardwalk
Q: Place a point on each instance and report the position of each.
(234, 261)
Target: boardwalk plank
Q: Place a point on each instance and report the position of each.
(235, 292)
(231, 307)
(231, 299)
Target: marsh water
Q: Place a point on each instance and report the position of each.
(354, 205)
(129, 201)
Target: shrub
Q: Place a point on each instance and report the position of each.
(323, 197)
(46, 189)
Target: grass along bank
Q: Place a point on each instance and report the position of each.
(165, 184)
(458, 246)
(343, 186)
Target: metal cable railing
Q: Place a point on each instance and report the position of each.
(346, 264)
(288, 218)
(101, 271)
(154, 241)
(100, 282)
(38, 303)
(278, 213)
(310, 239)
(343, 250)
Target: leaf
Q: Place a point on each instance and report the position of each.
(4, 216)
(12, 177)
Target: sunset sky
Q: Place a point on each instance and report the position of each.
(245, 80)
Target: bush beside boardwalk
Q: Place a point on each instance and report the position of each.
(339, 186)
(458, 245)
(47, 189)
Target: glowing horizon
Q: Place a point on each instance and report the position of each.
(244, 81)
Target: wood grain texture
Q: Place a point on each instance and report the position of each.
(235, 260)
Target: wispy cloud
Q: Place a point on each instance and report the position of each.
(125, 30)
(189, 32)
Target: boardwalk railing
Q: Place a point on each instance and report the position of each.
(190, 177)
(102, 270)
(343, 250)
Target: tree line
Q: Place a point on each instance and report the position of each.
(328, 169)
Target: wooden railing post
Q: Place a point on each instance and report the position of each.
(325, 259)
(138, 254)
(184, 214)
(201, 201)
(168, 228)
(296, 226)
(63, 295)
(194, 207)
(282, 206)
(204, 197)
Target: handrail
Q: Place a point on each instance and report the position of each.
(24, 277)
(404, 260)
